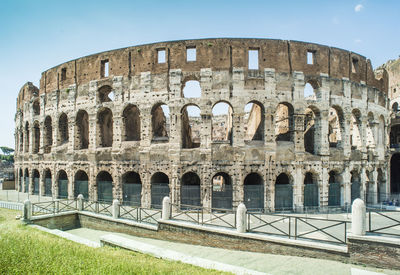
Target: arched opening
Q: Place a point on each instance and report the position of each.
(21, 179)
(222, 114)
(26, 181)
(159, 189)
(190, 189)
(284, 122)
(395, 107)
(82, 130)
(395, 174)
(191, 126)
(355, 186)
(336, 127)
(104, 187)
(105, 127)
(254, 192)
(62, 185)
(131, 189)
(131, 120)
(47, 183)
(311, 192)
(192, 89)
(382, 196)
(36, 180)
(81, 184)
(26, 147)
(370, 131)
(36, 137)
(254, 121)
(312, 130)
(48, 135)
(106, 94)
(309, 92)
(160, 122)
(283, 193)
(355, 127)
(334, 189)
(63, 134)
(221, 191)
(36, 107)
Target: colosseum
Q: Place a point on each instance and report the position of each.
(275, 124)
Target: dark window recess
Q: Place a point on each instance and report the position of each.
(354, 65)
(63, 74)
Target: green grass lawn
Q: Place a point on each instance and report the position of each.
(25, 250)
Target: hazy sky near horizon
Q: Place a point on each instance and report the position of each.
(37, 35)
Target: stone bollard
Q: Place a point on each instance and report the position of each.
(27, 210)
(80, 202)
(115, 209)
(358, 218)
(166, 209)
(241, 218)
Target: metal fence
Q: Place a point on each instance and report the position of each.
(383, 222)
(52, 207)
(11, 205)
(140, 214)
(98, 207)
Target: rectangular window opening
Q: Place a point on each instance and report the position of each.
(191, 54)
(354, 65)
(253, 59)
(104, 68)
(161, 56)
(63, 74)
(310, 57)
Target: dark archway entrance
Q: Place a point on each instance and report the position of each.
(131, 189)
(62, 185)
(334, 189)
(395, 174)
(311, 194)
(283, 193)
(221, 191)
(36, 179)
(81, 185)
(26, 181)
(104, 187)
(47, 183)
(355, 186)
(159, 189)
(254, 192)
(190, 189)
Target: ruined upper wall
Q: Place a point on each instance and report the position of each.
(217, 54)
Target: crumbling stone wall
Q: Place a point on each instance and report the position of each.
(95, 101)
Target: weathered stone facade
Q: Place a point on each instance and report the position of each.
(99, 117)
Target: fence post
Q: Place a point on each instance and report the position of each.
(27, 210)
(56, 206)
(166, 209)
(115, 209)
(358, 218)
(241, 218)
(80, 202)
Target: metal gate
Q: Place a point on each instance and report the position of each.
(254, 197)
(158, 192)
(355, 190)
(26, 185)
(131, 193)
(36, 186)
(334, 194)
(47, 187)
(190, 195)
(370, 193)
(283, 197)
(222, 198)
(62, 189)
(311, 194)
(81, 187)
(104, 191)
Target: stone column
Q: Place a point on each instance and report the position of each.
(346, 176)
(71, 183)
(298, 134)
(323, 185)
(346, 134)
(374, 176)
(363, 178)
(298, 188)
(324, 132)
(42, 183)
(117, 132)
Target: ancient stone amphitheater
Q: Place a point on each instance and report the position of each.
(214, 122)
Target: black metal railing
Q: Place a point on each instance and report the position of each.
(52, 207)
(98, 207)
(140, 214)
(383, 222)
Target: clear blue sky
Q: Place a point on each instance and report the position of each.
(37, 35)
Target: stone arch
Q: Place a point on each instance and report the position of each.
(36, 181)
(48, 134)
(36, 137)
(395, 107)
(82, 130)
(334, 191)
(36, 107)
(26, 147)
(62, 184)
(190, 189)
(222, 191)
(81, 184)
(355, 185)
(160, 122)
(283, 193)
(104, 182)
(131, 121)
(191, 89)
(47, 183)
(222, 121)
(312, 130)
(105, 127)
(190, 126)
(131, 189)
(355, 129)
(311, 190)
(254, 121)
(63, 135)
(254, 192)
(106, 94)
(284, 123)
(336, 126)
(159, 189)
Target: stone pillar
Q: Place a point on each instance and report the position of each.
(363, 178)
(93, 134)
(241, 221)
(374, 176)
(80, 201)
(323, 133)
(323, 185)
(298, 134)
(358, 218)
(166, 209)
(117, 131)
(298, 188)
(71, 183)
(346, 176)
(42, 183)
(71, 133)
(27, 212)
(115, 209)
